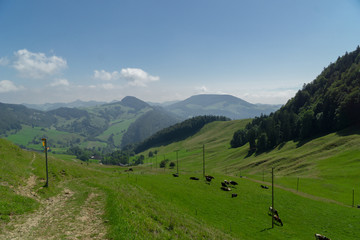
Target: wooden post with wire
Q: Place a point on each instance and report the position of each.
(46, 161)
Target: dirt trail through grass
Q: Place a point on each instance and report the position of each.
(305, 195)
(68, 215)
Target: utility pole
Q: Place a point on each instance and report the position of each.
(272, 196)
(204, 160)
(165, 163)
(297, 185)
(46, 161)
(177, 162)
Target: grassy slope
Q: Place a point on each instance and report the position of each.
(151, 204)
(326, 166)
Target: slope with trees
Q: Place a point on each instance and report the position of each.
(329, 103)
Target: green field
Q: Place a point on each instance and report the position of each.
(149, 203)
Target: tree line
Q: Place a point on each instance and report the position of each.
(329, 103)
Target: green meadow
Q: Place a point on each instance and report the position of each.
(314, 186)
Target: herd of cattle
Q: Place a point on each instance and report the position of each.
(225, 186)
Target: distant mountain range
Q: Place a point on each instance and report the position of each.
(101, 127)
(219, 105)
(52, 106)
(112, 125)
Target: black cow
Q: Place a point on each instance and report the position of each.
(194, 178)
(273, 211)
(233, 183)
(175, 175)
(208, 176)
(265, 187)
(321, 237)
(277, 219)
(226, 189)
(224, 184)
(233, 195)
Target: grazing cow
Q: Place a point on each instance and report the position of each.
(226, 189)
(233, 183)
(194, 178)
(277, 219)
(226, 182)
(175, 175)
(265, 187)
(208, 176)
(233, 195)
(321, 237)
(223, 184)
(273, 211)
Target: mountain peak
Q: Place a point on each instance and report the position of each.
(219, 105)
(133, 102)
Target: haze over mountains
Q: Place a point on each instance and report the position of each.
(203, 104)
(219, 105)
(113, 125)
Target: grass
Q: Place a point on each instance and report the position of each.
(150, 203)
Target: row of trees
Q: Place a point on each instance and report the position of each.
(330, 103)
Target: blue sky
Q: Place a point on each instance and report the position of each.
(259, 50)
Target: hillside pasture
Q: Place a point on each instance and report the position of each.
(149, 203)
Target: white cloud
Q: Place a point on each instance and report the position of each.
(8, 86)
(60, 82)
(137, 77)
(107, 86)
(4, 61)
(37, 65)
(106, 76)
(270, 96)
(134, 76)
(202, 89)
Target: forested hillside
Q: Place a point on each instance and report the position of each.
(329, 103)
(177, 132)
(148, 124)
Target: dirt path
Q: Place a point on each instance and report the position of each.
(306, 195)
(64, 216)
